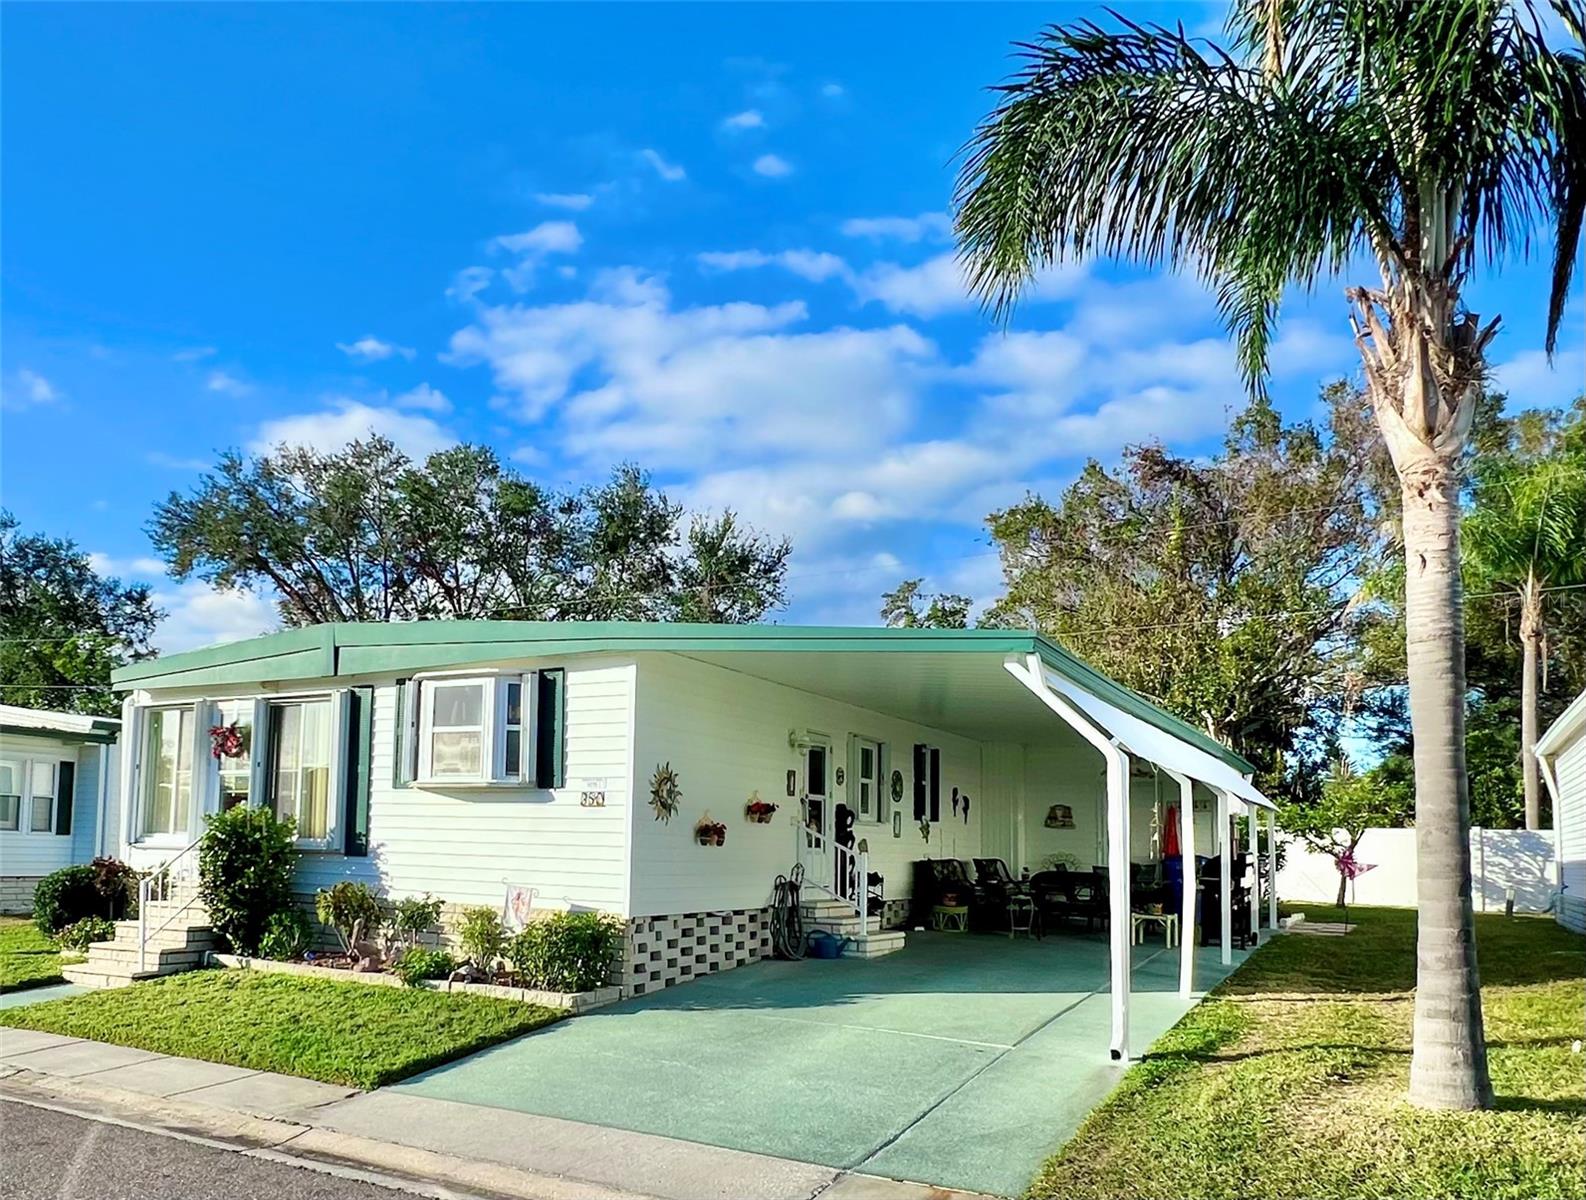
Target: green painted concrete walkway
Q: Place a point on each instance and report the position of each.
(961, 1060)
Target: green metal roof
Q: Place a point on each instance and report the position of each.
(352, 649)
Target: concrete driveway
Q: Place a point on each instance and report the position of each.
(962, 1060)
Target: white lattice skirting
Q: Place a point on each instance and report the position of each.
(678, 947)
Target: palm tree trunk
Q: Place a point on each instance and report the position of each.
(1530, 643)
(1448, 1068)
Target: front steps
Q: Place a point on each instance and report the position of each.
(837, 917)
(180, 946)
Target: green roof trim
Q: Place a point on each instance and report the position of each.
(352, 649)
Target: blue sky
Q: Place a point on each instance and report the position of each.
(711, 240)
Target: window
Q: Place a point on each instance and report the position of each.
(42, 810)
(512, 730)
(168, 772)
(11, 775)
(501, 729)
(456, 740)
(236, 771)
(815, 771)
(867, 790)
(300, 765)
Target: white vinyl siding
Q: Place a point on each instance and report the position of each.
(30, 847)
(727, 735)
(1570, 766)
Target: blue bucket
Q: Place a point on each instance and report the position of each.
(824, 945)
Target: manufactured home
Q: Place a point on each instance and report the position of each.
(670, 774)
(1561, 756)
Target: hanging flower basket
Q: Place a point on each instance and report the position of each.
(225, 741)
(758, 811)
(710, 833)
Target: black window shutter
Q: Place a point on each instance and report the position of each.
(64, 779)
(360, 748)
(550, 731)
(936, 784)
(921, 782)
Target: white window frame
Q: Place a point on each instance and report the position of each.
(493, 713)
(24, 765)
(878, 800)
(142, 777)
(258, 777)
(265, 765)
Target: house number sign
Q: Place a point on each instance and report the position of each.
(593, 794)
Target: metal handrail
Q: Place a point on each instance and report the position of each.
(849, 868)
(156, 885)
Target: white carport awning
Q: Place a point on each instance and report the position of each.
(1155, 745)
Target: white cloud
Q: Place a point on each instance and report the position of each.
(1532, 382)
(140, 567)
(423, 397)
(469, 282)
(750, 118)
(814, 265)
(198, 614)
(571, 201)
(671, 172)
(935, 226)
(833, 90)
(175, 462)
(934, 287)
(772, 166)
(30, 389)
(548, 237)
(226, 385)
(348, 420)
(194, 354)
(371, 349)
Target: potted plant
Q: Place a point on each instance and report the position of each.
(710, 833)
(759, 811)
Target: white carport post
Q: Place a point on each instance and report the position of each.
(1272, 872)
(1255, 871)
(1033, 676)
(1224, 848)
(1186, 916)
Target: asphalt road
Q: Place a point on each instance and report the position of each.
(48, 1155)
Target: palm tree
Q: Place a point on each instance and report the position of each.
(1527, 533)
(1423, 137)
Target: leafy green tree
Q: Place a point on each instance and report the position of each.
(366, 534)
(1349, 803)
(906, 607)
(66, 626)
(1526, 534)
(1428, 139)
(1233, 590)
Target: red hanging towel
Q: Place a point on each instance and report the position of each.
(1170, 835)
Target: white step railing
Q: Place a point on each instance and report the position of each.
(830, 867)
(160, 885)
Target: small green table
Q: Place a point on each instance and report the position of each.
(950, 918)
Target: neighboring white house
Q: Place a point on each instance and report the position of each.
(460, 757)
(57, 796)
(1561, 753)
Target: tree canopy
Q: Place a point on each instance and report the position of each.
(65, 625)
(366, 534)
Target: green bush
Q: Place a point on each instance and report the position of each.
(286, 935)
(343, 905)
(412, 917)
(80, 934)
(566, 952)
(418, 963)
(65, 897)
(482, 936)
(245, 873)
(118, 884)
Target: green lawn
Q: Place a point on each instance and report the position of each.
(27, 957)
(348, 1033)
(1289, 1081)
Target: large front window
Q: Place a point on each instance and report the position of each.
(457, 730)
(12, 772)
(168, 772)
(300, 765)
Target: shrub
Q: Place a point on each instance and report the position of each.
(245, 873)
(343, 905)
(566, 952)
(482, 936)
(412, 916)
(79, 934)
(118, 884)
(286, 935)
(65, 897)
(418, 963)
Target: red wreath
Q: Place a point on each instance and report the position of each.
(225, 741)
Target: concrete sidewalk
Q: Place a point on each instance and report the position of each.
(428, 1145)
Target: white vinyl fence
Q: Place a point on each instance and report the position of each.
(1499, 859)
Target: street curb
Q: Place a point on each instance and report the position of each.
(296, 1144)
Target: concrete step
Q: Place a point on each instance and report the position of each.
(844, 926)
(176, 935)
(875, 945)
(107, 954)
(161, 911)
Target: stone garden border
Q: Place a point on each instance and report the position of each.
(576, 1003)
